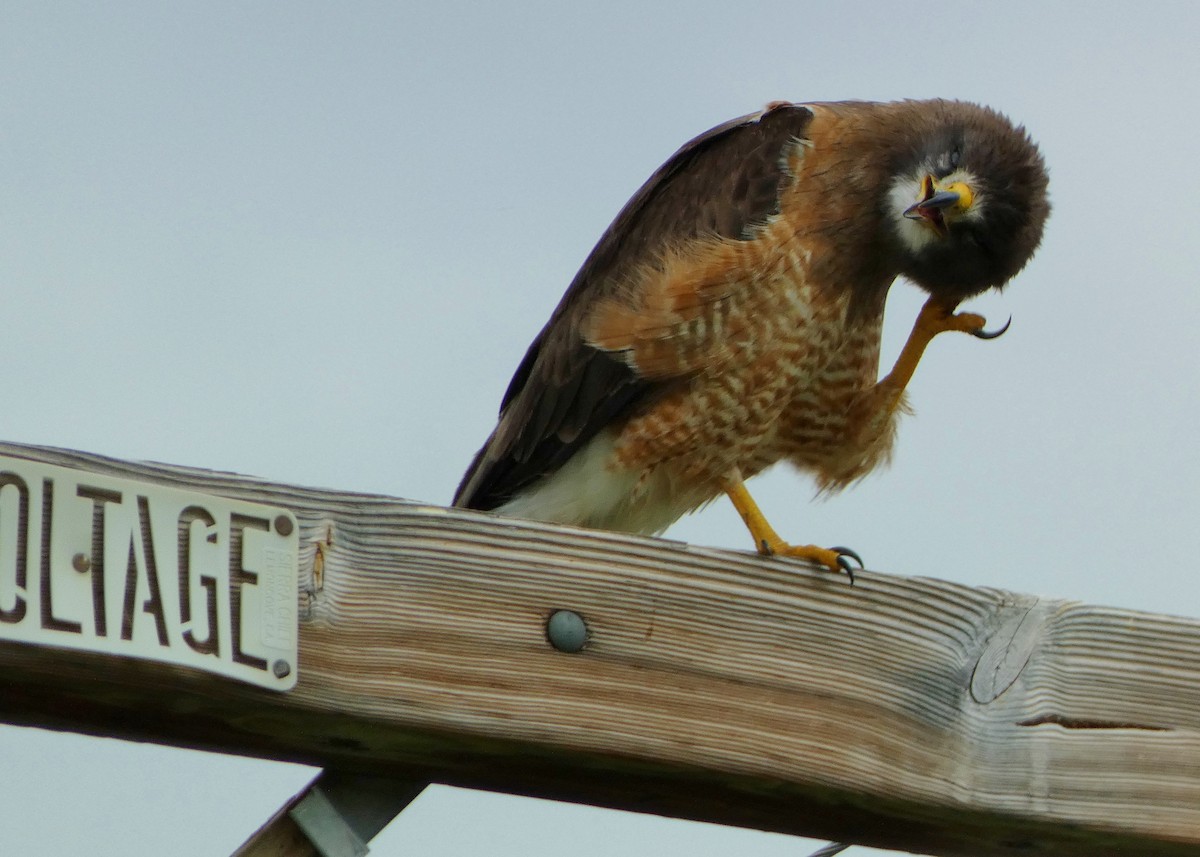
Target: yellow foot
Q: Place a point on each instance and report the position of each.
(835, 559)
(935, 317)
(768, 542)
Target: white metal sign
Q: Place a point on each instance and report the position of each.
(130, 568)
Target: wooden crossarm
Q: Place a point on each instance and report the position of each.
(900, 712)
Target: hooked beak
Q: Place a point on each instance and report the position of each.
(939, 204)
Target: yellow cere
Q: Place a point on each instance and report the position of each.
(965, 196)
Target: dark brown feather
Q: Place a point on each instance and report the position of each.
(720, 184)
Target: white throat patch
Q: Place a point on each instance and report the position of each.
(906, 190)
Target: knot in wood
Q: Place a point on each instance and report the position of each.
(1008, 649)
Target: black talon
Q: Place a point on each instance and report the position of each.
(844, 557)
(992, 334)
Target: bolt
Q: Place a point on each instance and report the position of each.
(281, 668)
(283, 525)
(566, 631)
(81, 563)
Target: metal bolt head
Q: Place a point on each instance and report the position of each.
(566, 631)
(283, 525)
(281, 668)
(81, 563)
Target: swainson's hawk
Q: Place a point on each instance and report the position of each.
(730, 317)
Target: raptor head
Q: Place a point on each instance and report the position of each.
(967, 201)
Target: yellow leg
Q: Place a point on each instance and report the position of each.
(935, 317)
(768, 542)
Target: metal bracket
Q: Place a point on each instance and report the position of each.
(335, 816)
(325, 827)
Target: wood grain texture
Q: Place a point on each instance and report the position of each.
(900, 712)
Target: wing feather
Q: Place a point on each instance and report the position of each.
(719, 185)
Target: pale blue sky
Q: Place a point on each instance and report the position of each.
(311, 242)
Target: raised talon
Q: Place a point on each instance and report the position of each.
(991, 334)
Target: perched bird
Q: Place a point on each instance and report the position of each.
(730, 317)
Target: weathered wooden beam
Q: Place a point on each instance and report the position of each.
(901, 712)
